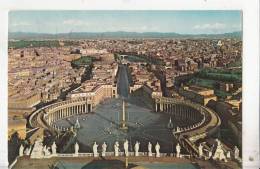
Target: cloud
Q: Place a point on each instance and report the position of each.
(236, 26)
(75, 22)
(15, 24)
(212, 26)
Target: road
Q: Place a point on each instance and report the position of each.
(123, 84)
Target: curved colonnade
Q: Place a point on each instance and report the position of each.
(181, 110)
(208, 120)
(46, 116)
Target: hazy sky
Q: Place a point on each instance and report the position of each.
(187, 22)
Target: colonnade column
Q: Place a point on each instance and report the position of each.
(161, 106)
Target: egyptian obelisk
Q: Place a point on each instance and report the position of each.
(123, 122)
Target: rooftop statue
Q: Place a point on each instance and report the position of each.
(137, 145)
(126, 147)
(104, 149)
(95, 153)
(157, 149)
(150, 149)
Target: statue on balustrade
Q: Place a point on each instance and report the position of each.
(95, 152)
(157, 149)
(178, 150)
(53, 148)
(126, 147)
(76, 148)
(150, 149)
(137, 145)
(200, 150)
(46, 151)
(236, 152)
(116, 148)
(28, 150)
(21, 149)
(104, 149)
(219, 153)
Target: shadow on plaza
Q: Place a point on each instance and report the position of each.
(107, 164)
(106, 119)
(137, 99)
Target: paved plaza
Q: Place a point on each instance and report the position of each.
(103, 125)
(143, 124)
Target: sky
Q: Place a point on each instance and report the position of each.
(183, 22)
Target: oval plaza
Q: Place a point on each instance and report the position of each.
(97, 115)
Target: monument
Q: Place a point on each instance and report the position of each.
(228, 155)
(77, 125)
(28, 150)
(126, 147)
(104, 149)
(76, 147)
(157, 150)
(95, 146)
(200, 150)
(123, 121)
(21, 150)
(137, 145)
(236, 152)
(116, 148)
(178, 150)
(170, 124)
(53, 148)
(219, 153)
(37, 151)
(46, 151)
(150, 149)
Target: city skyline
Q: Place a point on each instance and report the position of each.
(200, 22)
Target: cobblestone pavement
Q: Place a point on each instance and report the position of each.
(143, 125)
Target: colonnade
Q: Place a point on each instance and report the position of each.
(67, 108)
(179, 109)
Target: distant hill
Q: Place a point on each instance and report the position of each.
(120, 34)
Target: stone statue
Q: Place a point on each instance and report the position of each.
(236, 153)
(126, 147)
(46, 151)
(178, 150)
(21, 150)
(53, 148)
(77, 124)
(104, 149)
(210, 154)
(95, 146)
(137, 145)
(170, 125)
(219, 153)
(116, 148)
(200, 150)
(178, 129)
(228, 154)
(37, 151)
(150, 149)
(28, 150)
(157, 149)
(76, 149)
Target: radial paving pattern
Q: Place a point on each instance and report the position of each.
(144, 125)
